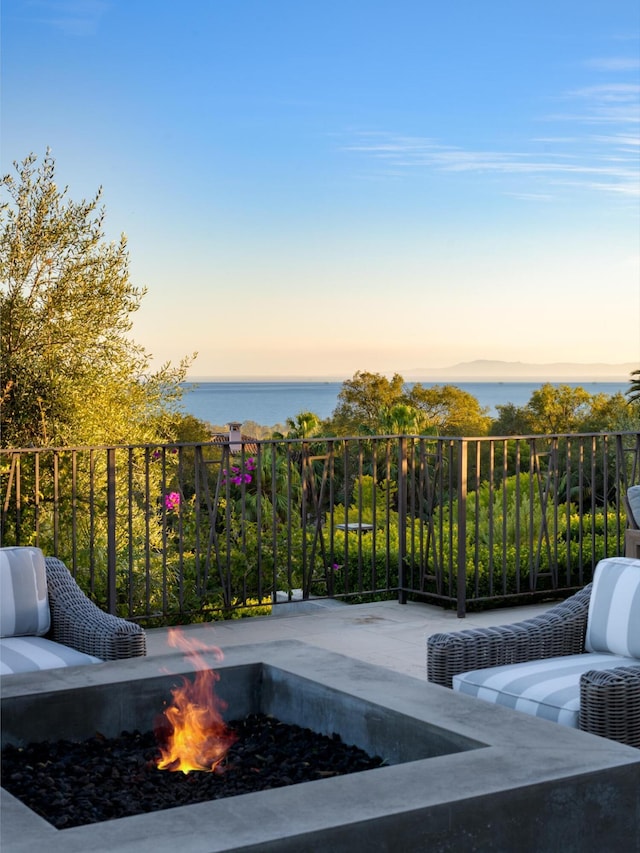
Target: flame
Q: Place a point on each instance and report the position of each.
(199, 738)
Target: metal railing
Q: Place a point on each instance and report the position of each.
(169, 533)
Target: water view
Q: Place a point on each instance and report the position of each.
(270, 403)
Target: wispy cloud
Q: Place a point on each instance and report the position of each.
(613, 63)
(606, 162)
(72, 17)
(415, 153)
(620, 140)
(610, 103)
(532, 196)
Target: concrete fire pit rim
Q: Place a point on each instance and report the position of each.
(523, 757)
(470, 718)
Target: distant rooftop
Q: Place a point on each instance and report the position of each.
(238, 441)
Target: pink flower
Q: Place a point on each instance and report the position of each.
(239, 477)
(172, 501)
(157, 454)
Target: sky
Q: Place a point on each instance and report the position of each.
(315, 188)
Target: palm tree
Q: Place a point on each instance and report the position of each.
(633, 392)
(304, 425)
(402, 419)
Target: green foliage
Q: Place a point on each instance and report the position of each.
(371, 404)
(361, 400)
(366, 560)
(403, 419)
(552, 410)
(70, 373)
(633, 392)
(187, 429)
(266, 490)
(247, 564)
(304, 425)
(192, 545)
(448, 410)
(510, 536)
(370, 502)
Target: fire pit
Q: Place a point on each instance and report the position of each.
(460, 774)
(73, 784)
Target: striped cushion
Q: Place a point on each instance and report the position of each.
(613, 624)
(30, 654)
(24, 603)
(548, 688)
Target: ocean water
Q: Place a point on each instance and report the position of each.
(271, 403)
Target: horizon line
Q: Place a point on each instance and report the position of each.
(502, 378)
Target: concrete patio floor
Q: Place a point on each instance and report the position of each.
(384, 632)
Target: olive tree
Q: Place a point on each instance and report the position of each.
(70, 372)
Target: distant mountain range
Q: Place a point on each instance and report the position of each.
(514, 371)
(481, 370)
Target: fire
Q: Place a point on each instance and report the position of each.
(199, 738)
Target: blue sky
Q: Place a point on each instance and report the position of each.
(314, 188)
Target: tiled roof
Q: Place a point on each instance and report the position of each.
(249, 444)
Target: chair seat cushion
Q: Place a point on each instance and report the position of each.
(548, 688)
(30, 654)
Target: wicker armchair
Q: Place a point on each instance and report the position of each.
(77, 622)
(609, 697)
(47, 622)
(559, 631)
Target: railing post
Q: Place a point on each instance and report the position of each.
(111, 529)
(402, 519)
(462, 528)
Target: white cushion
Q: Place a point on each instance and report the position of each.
(633, 496)
(24, 603)
(613, 623)
(548, 688)
(31, 654)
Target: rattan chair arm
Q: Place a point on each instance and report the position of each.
(559, 631)
(610, 703)
(77, 622)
